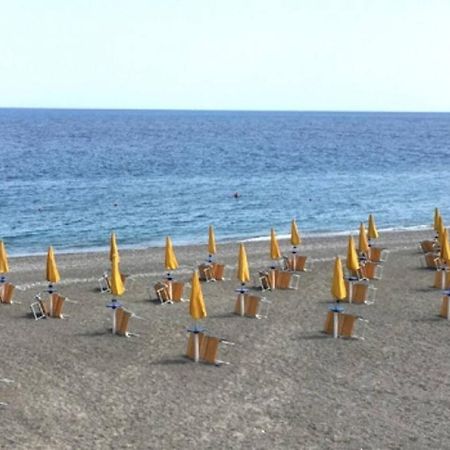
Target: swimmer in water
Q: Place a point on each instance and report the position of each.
(236, 195)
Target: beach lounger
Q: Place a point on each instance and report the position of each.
(56, 306)
(205, 272)
(361, 292)
(372, 270)
(442, 278)
(431, 260)
(218, 271)
(445, 309)
(208, 348)
(264, 281)
(7, 293)
(253, 305)
(428, 246)
(296, 263)
(177, 291)
(378, 254)
(162, 292)
(346, 325)
(286, 280)
(123, 317)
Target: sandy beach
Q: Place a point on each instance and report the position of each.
(70, 384)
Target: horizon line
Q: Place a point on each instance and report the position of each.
(368, 111)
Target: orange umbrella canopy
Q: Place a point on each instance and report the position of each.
(243, 273)
(52, 273)
(170, 262)
(352, 256)
(4, 266)
(275, 252)
(363, 244)
(372, 231)
(295, 235)
(338, 289)
(197, 308)
(117, 286)
(211, 241)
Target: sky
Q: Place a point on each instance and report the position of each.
(303, 55)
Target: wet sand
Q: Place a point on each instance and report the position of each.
(76, 386)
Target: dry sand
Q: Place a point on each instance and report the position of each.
(288, 386)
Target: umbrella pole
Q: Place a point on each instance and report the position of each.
(113, 321)
(448, 309)
(196, 344)
(50, 299)
(273, 278)
(241, 298)
(443, 278)
(335, 324)
(350, 291)
(294, 258)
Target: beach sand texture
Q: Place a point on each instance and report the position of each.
(75, 386)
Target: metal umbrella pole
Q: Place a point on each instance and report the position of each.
(196, 330)
(115, 304)
(336, 309)
(242, 290)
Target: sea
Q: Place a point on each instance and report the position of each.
(70, 177)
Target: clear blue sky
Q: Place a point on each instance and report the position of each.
(391, 55)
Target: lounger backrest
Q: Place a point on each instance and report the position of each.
(283, 279)
(209, 354)
(162, 292)
(205, 272)
(431, 260)
(177, 290)
(329, 322)
(444, 306)
(427, 246)
(7, 292)
(348, 322)
(359, 292)
(190, 351)
(122, 319)
(252, 303)
(57, 305)
(218, 271)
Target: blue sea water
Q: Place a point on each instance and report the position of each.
(69, 177)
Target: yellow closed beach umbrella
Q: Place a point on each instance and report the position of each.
(295, 235)
(441, 230)
(445, 248)
(274, 247)
(170, 262)
(113, 250)
(338, 289)
(211, 241)
(363, 245)
(52, 274)
(352, 256)
(243, 273)
(197, 308)
(372, 231)
(4, 266)
(437, 215)
(117, 287)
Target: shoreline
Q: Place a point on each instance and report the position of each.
(225, 241)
